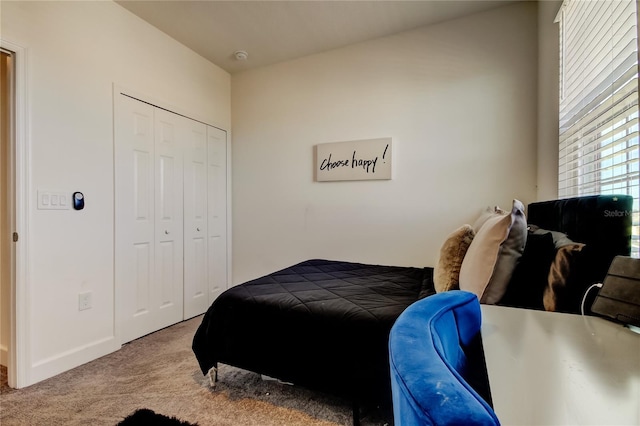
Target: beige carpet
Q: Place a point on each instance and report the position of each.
(161, 373)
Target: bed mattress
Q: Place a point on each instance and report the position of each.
(321, 324)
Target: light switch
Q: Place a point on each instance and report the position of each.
(53, 200)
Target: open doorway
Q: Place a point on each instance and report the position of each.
(6, 262)
(6, 208)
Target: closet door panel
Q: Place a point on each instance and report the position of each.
(134, 216)
(196, 300)
(169, 139)
(143, 274)
(217, 211)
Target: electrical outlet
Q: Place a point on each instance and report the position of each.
(84, 301)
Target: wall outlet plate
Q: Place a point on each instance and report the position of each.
(84, 301)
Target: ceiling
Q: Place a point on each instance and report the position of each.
(275, 31)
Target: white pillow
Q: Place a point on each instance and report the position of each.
(493, 254)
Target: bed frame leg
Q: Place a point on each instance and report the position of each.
(356, 414)
(213, 377)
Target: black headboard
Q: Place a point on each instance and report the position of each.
(599, 221)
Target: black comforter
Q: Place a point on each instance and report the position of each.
(320, 324)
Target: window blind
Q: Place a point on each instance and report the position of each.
(598, 152)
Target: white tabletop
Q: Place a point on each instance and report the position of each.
(548, 368)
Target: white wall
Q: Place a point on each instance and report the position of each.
(76, 51)
(459, 100)
(548, 103)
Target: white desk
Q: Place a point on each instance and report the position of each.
(548, 368)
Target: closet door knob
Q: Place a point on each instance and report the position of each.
(198, 229)
(166, 232)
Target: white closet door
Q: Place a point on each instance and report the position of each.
(135, 216)
(148, 212)
(168, 295)
(196, 299)
(217, 210)
(171, 217)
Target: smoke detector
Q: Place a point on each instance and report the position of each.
(240, 55)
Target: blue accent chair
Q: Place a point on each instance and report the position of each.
(431, 363)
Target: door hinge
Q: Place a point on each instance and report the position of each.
(15, 237)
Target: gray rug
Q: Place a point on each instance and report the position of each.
(160, 372)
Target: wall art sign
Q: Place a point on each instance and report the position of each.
(354, 160)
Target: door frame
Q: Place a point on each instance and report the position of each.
(19, 147)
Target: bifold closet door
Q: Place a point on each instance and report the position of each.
(217, 210)
(205, 204)
(196, 297)
(171, 217)
(149, 218)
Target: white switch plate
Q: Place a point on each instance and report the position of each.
(54, 200)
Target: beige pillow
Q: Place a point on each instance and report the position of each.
(447, 270)
(493, 254)
(486, 214)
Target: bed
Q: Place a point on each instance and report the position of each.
(321, 324)
(324, 324)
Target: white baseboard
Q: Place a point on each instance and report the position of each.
(68, 360)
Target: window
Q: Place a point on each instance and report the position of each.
(598, 151)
